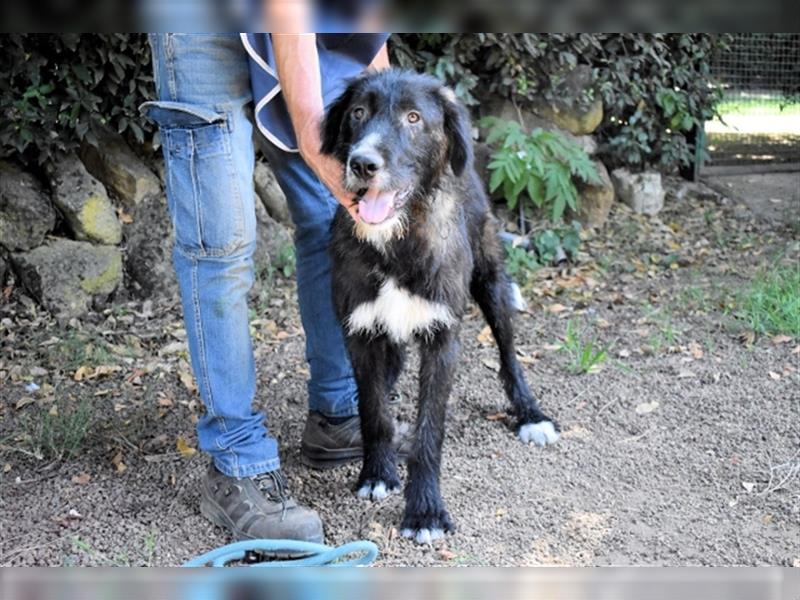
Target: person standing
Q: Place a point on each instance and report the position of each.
(205, 84)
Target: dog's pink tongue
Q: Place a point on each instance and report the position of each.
(375, 206)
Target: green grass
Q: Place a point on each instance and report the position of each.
(78, 349)
(585, 356)
(758, 106)
(771, 305)
(61, 435)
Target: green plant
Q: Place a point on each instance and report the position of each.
(58, 89)
(584, 356)
(285, 261)
(520, 264)
(631, 72)
(771, 304)
(540, 163)
(59, 434)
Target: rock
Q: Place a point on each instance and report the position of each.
(529, 120)
(274, 241)
(120, 170)
(67, 277)
(595, 199)
(84, 203)
(569, 112)
(148, 250)
(643, 192)
(270, 193)
(26, 214)
(3, 271)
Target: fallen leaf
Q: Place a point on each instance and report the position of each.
(766, 519)
(646, 407)
(188, 381)
(185, 449)
(80, 373)
(24, 401)
(748, 486)
(124, 217)
(165, 401)
(555, 308)
(498, 416)
(445, 554)
(485, 337)
(53, 412)
(117, 462)
(81, 479)
(781, 339)
(747, 338)
(695, 350)
(492, 364)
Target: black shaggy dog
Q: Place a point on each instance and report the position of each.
(425, 243)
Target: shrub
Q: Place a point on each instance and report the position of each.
(540, 163)
(656, 88)
(57, 89)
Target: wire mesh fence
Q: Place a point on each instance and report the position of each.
(760, 107)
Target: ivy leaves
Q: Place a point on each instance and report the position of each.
(58, 89)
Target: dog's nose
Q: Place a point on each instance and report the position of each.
(364, 165)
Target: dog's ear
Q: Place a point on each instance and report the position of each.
(457, 130)
(333, 123)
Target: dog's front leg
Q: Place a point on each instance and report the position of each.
(426, 517)
(373, 360)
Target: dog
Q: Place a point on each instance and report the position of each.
(425, 242)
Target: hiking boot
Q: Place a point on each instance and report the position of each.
(326, 445)
(257, 507)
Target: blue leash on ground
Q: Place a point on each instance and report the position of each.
(363, 552)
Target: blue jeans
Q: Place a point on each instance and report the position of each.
(203, 86)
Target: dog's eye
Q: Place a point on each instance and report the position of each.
(413, 117)
(358, 113)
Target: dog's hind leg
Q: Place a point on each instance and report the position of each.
(425, 516)
(491, 290)
(376, 361)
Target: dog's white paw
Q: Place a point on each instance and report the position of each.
(423, 536)
(375, 490)
(541, 433)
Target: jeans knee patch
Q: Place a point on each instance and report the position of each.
(204, 192)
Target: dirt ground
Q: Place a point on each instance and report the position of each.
(683, 448)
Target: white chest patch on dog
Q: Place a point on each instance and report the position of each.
(399, 314)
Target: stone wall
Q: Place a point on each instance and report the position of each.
(96, 228)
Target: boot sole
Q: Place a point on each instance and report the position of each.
(214, 513)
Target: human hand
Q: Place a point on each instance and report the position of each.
(329, 170)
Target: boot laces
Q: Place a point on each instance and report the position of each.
(274, 485)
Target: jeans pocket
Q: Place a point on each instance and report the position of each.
(203, 192)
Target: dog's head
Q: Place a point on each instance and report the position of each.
(398, 133)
